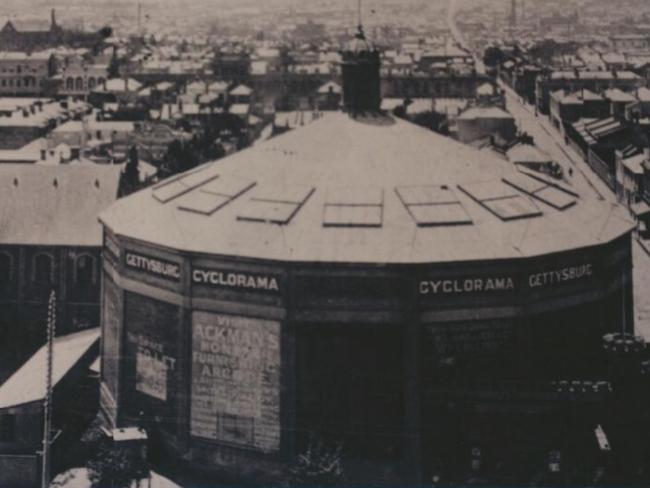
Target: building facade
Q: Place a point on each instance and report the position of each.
(52, 244)
(235, 307)
(25, 74)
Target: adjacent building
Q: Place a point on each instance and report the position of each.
(51, 240)
(25, 73)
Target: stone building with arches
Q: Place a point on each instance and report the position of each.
(78, 79)
(51, 243)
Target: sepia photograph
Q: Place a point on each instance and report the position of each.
(324, 243)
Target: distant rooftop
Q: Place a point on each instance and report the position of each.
(65, 213)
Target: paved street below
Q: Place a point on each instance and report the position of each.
(586, 183)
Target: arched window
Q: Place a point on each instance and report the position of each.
(69, 84)
(84, 270)
(91, 83)
(79, 84)
(101, 81)
(6, 268)
(43, 269)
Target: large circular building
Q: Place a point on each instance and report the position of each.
(336, 282)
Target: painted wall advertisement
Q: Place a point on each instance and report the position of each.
(151, 366)
(236, 380)
(151, 339)
(467, 338)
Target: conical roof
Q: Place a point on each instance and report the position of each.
(378, 190)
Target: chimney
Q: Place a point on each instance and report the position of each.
(361, 79)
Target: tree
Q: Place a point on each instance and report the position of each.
(130, 179)
(493, 56)
(109, 467)
(115, 468)
(318, 466)
(180, 157)
(114, 65)
(432, 120)
(106, 31)
(131, 170)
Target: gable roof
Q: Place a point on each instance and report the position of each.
(65, 212)
(29, 25)
(241, 90)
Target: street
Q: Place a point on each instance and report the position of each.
(588, 184)
(582, 178)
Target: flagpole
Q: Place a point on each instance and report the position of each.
(47, 406)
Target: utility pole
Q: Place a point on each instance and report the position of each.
(139, 18)
(47, 406)
(359, 13)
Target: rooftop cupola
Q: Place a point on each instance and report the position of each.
(361, 79)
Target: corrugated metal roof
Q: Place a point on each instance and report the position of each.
(28, 383)
(378, 154)
(55, 205)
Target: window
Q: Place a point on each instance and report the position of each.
(43, 270)
(91, 83)
(7, 427)
(79, 84)
(69, 84)
(84, 270)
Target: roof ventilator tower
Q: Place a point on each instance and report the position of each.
(361, 78)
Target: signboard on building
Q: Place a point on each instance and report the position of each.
(546, 278)
(236, 380)
(240, 280)
(151, 366)
(469, 338)
(153, 266)
(152, 346)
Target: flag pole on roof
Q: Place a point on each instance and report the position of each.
(47, 406)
